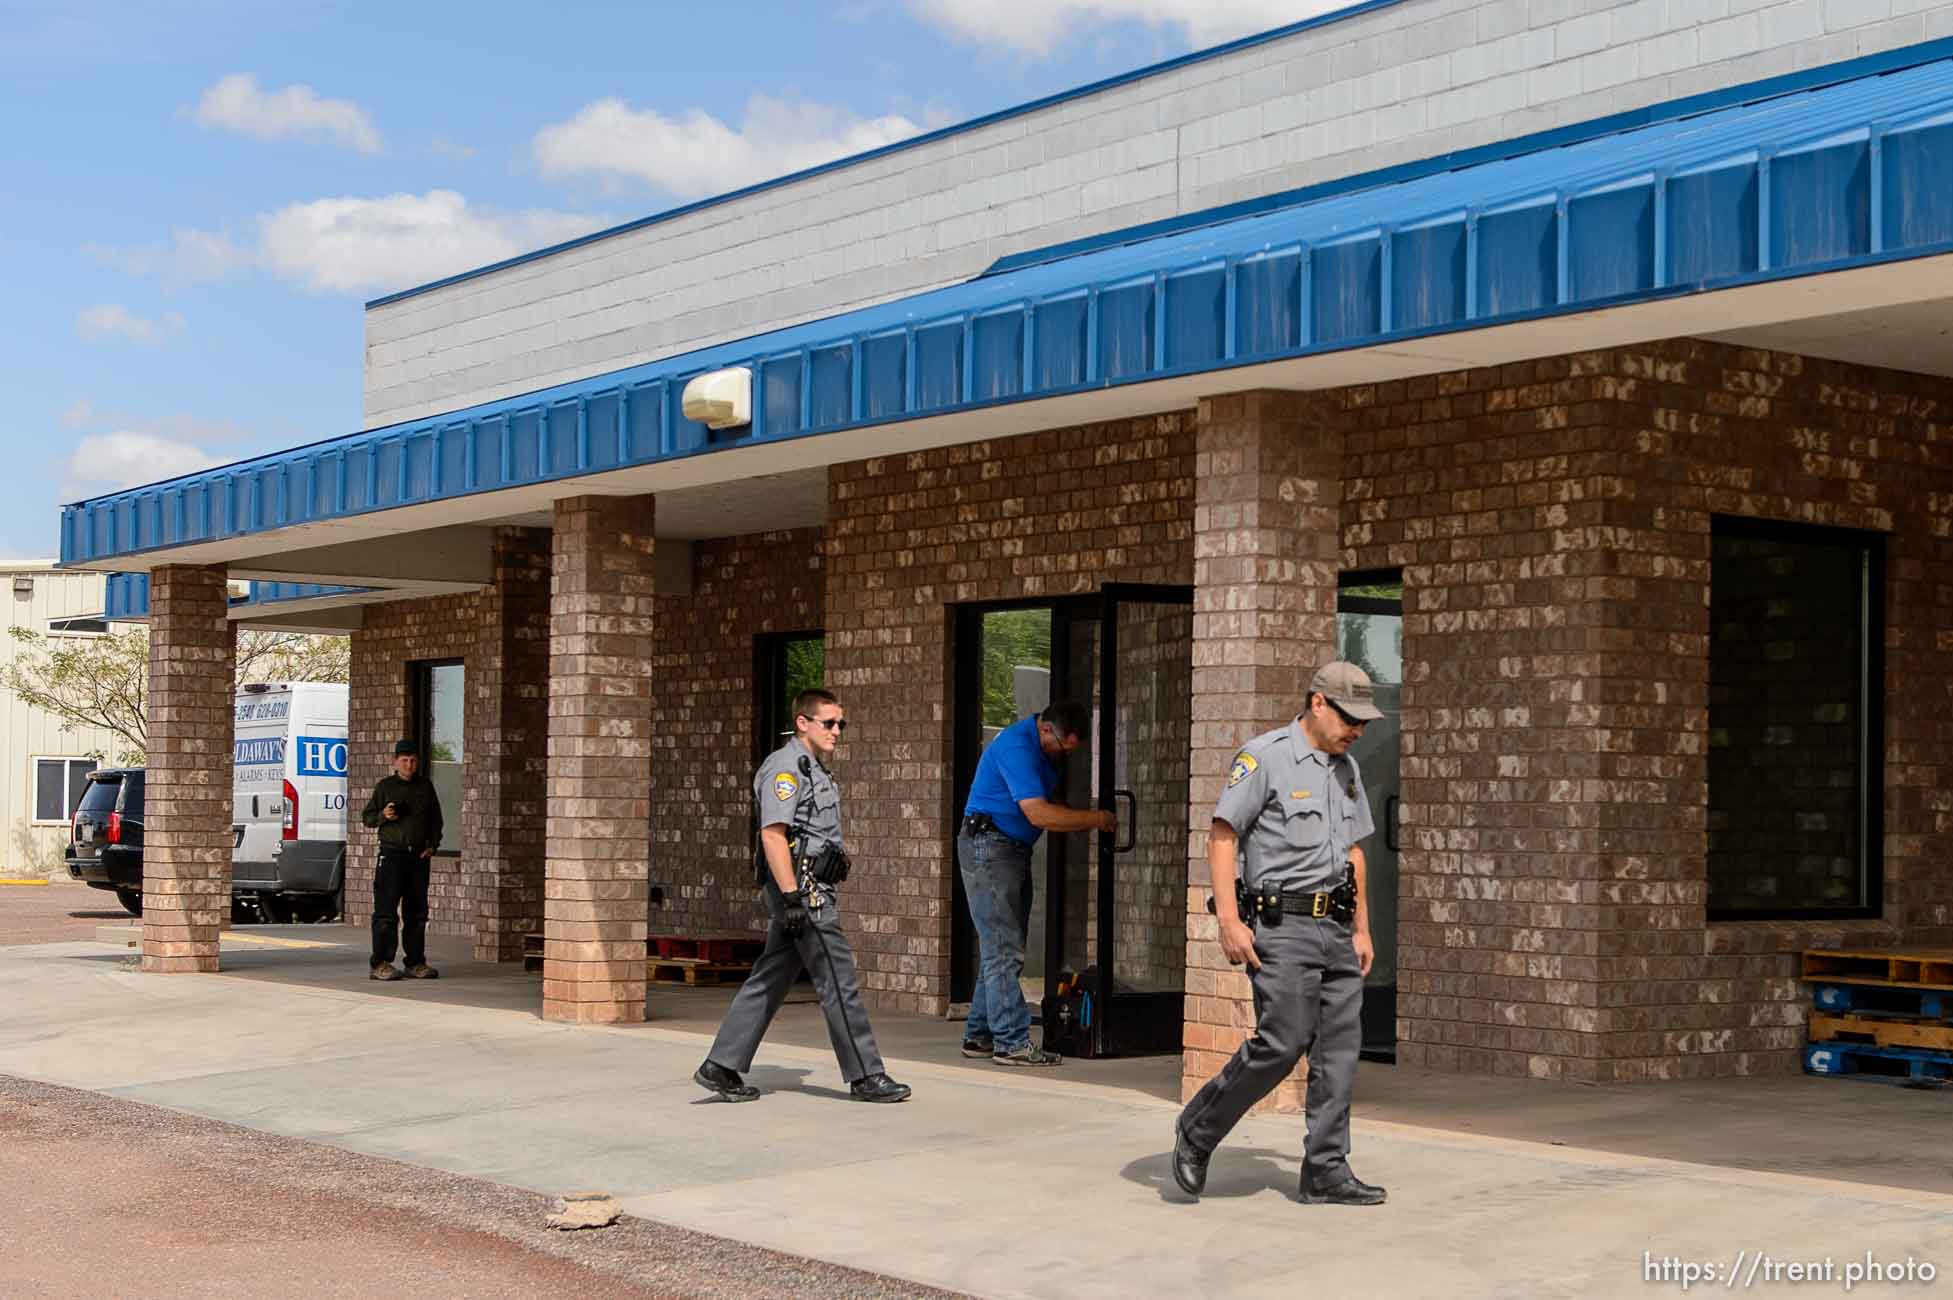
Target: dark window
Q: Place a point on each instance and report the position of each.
(785, 664)
(440, 700)
(1795, 705)
(77, 626)
(102, 797)
(58, 786)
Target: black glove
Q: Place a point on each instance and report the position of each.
(793, 914)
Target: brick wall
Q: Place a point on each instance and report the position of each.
(701, 757)
(1048, 514)
(1269, 490)
(380, 711)
(1552, 520)
(186, 869)
(507, 682)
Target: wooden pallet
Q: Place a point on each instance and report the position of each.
(1918, 968)
(719, 948)
(1905, 1064)
(1881, 1031)
(698, 974)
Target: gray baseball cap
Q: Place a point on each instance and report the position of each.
(1348, 688)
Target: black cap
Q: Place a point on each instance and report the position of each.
(406, 748)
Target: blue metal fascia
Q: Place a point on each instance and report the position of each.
(128, 595)
(1715, 200)
(912, 142)
(1830, 74)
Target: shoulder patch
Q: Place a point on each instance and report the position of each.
(1244, 766)
(785, 786)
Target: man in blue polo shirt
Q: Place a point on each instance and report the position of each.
(1009, 806)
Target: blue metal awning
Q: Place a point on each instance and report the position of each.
(128, 595)
(1843, 175)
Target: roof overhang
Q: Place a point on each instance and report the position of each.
(1799, 206)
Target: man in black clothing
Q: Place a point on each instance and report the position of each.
(407, 813)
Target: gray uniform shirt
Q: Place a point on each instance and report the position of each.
(807, 803)
(1297, 811)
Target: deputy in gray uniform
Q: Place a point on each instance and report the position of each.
(1294, 801)
(801, 863)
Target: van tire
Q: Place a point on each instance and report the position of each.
(131, 900)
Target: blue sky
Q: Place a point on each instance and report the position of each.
(200, 196)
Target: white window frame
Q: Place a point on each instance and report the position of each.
(34, 783)
(54, 630)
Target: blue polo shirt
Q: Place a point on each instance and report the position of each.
(1013, 767)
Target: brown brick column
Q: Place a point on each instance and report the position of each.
(596, 894)
(1268, 495)
(186, 870)
(508, 733)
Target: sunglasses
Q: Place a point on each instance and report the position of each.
(829, 724)
(1354, 722)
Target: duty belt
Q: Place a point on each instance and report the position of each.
(1269, 906)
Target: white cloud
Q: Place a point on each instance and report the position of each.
(694, 154)
(191, 257)
(111, 320)
(238, 104)
(354, 244)
(401, 240)
(1037, 27)
(109, 462)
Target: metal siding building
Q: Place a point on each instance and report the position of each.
(38, 595)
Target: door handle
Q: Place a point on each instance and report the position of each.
(1132, 821)
(1392, 820)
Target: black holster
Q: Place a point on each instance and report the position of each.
(827, 865)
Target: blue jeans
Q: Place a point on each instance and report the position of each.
(997, 878)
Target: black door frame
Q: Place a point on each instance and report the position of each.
(1379, 1000)
(1126, 1024)
(966, 627)
(1137, 1023)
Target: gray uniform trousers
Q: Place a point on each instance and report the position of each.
(823, 950)
(1308, 1002)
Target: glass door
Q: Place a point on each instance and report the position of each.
(1117, 977)
(1370, 634)
(1106, 942)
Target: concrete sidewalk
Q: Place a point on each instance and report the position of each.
(989, 1183)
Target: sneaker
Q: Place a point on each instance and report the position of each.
(1026, 1055)
(422, 972)
(980, 1047)
(386, 972)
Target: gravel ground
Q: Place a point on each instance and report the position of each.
(100, 1196)
(61, 912)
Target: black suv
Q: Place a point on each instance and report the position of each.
(105, 843)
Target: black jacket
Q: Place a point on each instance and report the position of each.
(418, 827)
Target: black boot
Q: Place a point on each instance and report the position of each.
(717, 1078)
(1189, 1165)
(878, 1087)
(1351, 1191)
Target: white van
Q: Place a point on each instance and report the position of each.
(288, 782)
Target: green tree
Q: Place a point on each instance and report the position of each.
(1012, 639)
(103, 681)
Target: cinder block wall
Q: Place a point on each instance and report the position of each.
(1407, 81)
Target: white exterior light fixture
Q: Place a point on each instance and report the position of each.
(720, 399)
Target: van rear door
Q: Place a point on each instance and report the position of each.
(258, 782)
